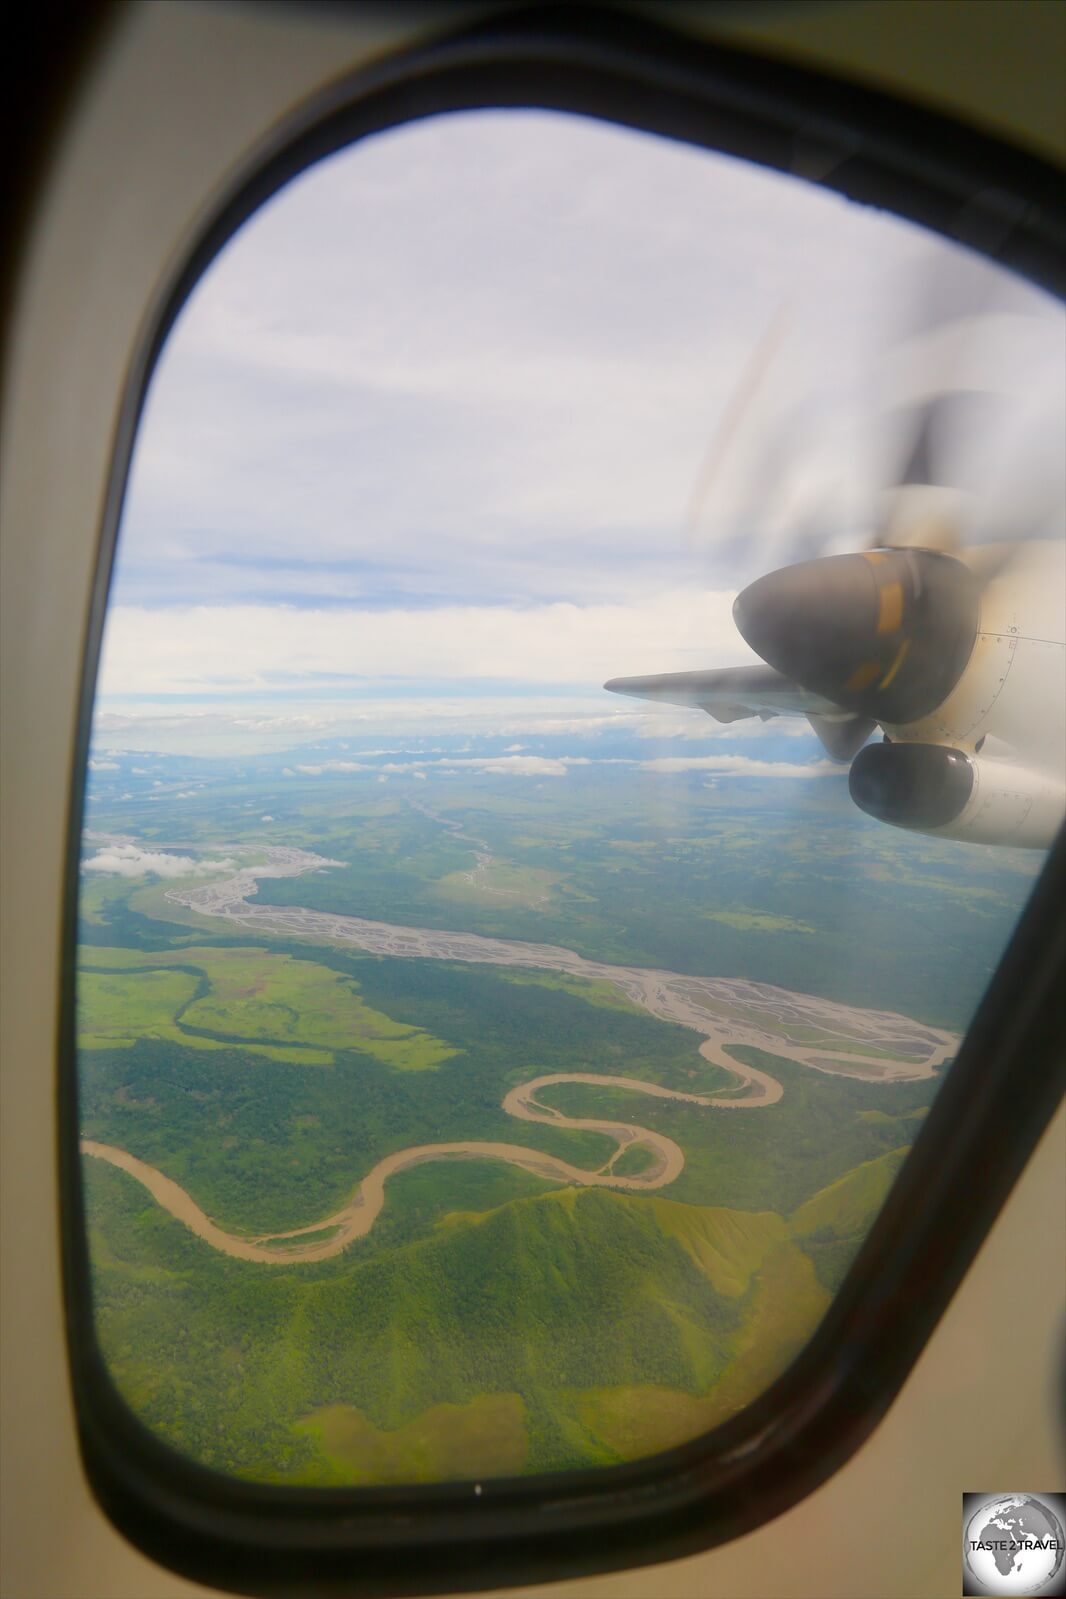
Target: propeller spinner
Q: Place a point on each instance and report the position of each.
(885, 634)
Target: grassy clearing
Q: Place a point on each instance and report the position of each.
(152, 901)
(728, 1246)
(848, 1206)
(290, 1009)
(446, 1443)
(528, 887)
(606, 995)
(759, 922)
(115, 1009)
(788, 1303)
(97, 894)
(632, 1161)
(632, 1422)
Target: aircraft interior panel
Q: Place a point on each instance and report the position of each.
(176, 102)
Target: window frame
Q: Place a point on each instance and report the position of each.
(1009, 1073)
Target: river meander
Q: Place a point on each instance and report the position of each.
(849, 1041)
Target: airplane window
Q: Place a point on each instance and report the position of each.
(579, 719)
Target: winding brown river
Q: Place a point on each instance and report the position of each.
(360, 1213)
(725, 1011)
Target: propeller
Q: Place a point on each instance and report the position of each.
(886, 633)
(961, 430)
(930, 507)
(723, 439)
(969, 481)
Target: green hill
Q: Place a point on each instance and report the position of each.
(849, 1205)
(571, 1289)
(614, 1324)
(726, 1245)
(625, 1325)
(833, 1223)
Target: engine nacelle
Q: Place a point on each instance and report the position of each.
(932, 788)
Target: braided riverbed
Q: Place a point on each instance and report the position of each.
(877, 1046)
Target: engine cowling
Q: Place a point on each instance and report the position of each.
(934, 788)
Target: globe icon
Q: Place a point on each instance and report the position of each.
(1015, 1545)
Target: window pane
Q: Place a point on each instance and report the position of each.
(481, 1073)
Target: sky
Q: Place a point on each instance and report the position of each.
(484, 410)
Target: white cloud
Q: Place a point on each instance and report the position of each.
(128, 860)
(557, 311)
(96, 765)
(316, 769)
(743, 766)
(501, 765)
(449, 432)
(515, 765)
(195, 649)
(266, 818)
(224, 730)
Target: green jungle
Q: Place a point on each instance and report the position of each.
(491, 1322)
(766, 880)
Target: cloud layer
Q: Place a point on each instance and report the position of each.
(488, 352)
(128, 860)
(435, 415)
(743, 766)
(559, 766)
(227, 649)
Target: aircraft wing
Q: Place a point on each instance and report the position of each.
(729, 694)
(735, 692)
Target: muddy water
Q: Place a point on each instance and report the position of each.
(727, 1012)
(360, 1213)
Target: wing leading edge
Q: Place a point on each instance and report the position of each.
(734, 693)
